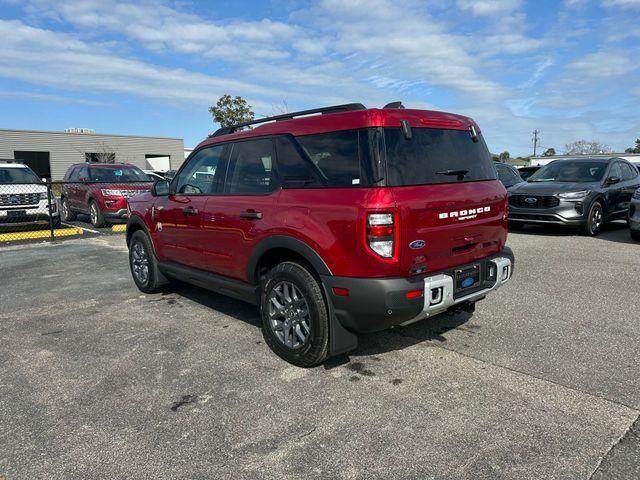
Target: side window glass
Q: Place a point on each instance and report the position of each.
(250, 168)
(294, 170)
(199, 176)
(616, 171)
(627, 171)
(82, 174)
(73, 175)
(504, 173)
(337, 156)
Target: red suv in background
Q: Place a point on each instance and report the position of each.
(101, 190)
(352, 220)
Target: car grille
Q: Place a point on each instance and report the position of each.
(522, 201)
(11, 199)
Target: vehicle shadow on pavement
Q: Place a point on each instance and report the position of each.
(397, 338)
(426, 330)
(616, 231)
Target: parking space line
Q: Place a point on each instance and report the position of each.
(81, 228)
(119, 228)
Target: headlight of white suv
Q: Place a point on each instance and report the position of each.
(111, 193)
(573, 195)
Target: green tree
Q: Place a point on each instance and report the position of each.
(549, 152)
(635, 149)
(504, 156)
(230, 111)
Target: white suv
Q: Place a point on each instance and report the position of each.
(23, 197)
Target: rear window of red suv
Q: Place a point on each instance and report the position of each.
(434, 156)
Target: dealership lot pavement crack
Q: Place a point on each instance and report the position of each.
(541, 382)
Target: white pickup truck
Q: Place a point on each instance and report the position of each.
(23, 198)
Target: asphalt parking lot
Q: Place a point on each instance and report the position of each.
(100, 381)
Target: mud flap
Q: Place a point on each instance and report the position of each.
(341, 340)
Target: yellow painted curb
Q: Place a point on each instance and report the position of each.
(119, 228)
(29, 235)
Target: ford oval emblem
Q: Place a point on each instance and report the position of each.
(417, 244)
(467, 282)
(531, 200)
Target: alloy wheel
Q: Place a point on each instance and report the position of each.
(140, 262)
(94, 214)
(596, 218)
(289, 315)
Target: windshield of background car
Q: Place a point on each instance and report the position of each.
(18, 175)
(117, 175)
(568, 171)
(434, 156)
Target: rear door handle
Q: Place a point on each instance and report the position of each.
(190, 211)
(251, 215)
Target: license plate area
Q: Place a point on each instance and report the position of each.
(16, 213)
(467, 278)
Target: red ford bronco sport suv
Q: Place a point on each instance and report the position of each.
(101, 191)
(347, 221)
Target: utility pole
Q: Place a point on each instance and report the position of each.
(535, 141)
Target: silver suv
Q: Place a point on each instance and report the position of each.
(23, 198)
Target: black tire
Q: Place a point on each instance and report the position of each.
(592, 227)
(635, 235)
(516, 226)
(314, 349)
(154, 280)
(95, 214)
(67, 214)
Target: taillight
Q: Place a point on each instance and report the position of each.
(381, 234)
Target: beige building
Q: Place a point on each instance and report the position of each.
(49, 154)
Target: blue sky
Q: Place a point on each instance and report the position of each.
(567, 68)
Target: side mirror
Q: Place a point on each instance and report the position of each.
(160, 188)
(612, 180)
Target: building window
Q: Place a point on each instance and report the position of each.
(36, 161)
(100, 157)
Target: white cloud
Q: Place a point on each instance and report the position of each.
(488, 7)
(603, 64)
(621, 3)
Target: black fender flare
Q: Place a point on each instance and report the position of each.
(138, 222)
(290, 243)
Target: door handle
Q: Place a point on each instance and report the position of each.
(190, 211)
(251, 215)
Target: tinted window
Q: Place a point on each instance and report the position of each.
(294, 169)
(18, 175)
(628, 172)
(118, 174)
(570, 171)
(505, 174)
(83, 174)
(250, 168)
(436, 156)
(72, 175)
(339, 157)
(616, 170)
(199, 175)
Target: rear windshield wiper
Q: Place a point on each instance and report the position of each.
(459, 173)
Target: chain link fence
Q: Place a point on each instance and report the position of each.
(44, 210)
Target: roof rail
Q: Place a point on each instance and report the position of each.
(288, 116)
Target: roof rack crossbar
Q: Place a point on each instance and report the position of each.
(289, 116)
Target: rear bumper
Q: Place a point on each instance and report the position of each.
(376, 304)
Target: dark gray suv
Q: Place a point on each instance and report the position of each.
(584, 192)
